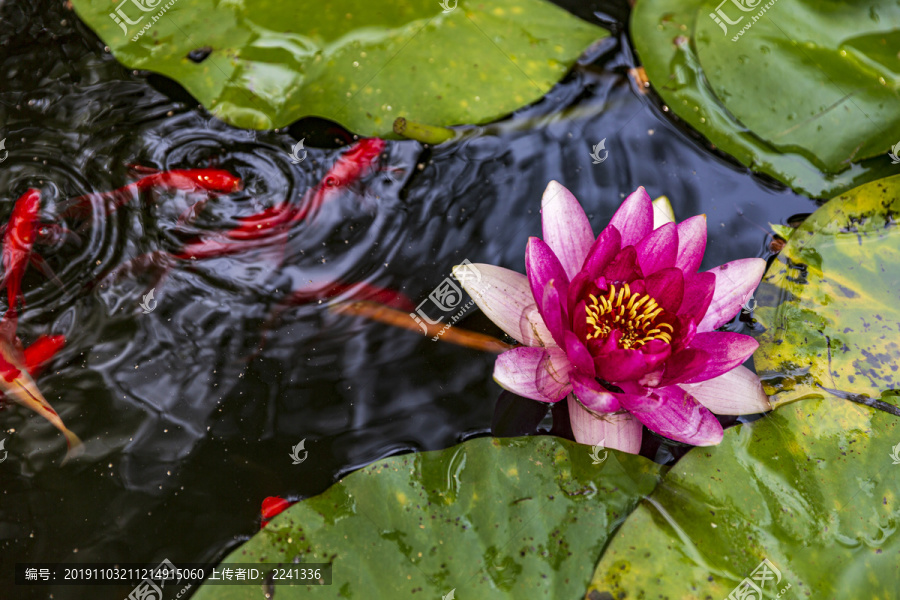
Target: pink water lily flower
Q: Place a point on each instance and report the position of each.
(623, 325)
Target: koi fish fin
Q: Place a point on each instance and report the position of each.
(141, 170)
(8, 325)
(3, 229)
(28, 395)
(50, 232)
(41, 351)
(398, 318)
(42, 266)
(74, 446)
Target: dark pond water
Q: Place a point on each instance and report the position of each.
(187, 424)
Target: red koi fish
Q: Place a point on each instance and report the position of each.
(188, 180)
(18, 245)
(19, 366)
(272, 507)
(262, 227)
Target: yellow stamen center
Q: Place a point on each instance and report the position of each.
(635, 315)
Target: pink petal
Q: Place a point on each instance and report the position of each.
(624, 267)
(553, 312)
(630, 365)
(667, 288)
(542, 265)
(592, 395)
(726, 351)
(698, 294)
(578, 354)
(684, 365)
(673, 413)
(538, 373)
(566, 228)
(691, 243)
(505, 298)
(658, 250)
(619, 431)
(735, 282)
(604, 249)
(737, 392)
(634, 219)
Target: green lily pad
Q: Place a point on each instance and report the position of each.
(806, 94)
(490, 518)
(830, 304)
(812, 487)
(266, 63)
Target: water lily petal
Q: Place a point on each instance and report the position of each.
(505, 298)
(624, 267)
(566, 228)
(619, 431)
(554, 313)
(667, 288)
(662, 212)
(673, 413)
(726, 351)
(578, 354)
(592, 395)
(737, 392)
(698, 294)
(683, 365)
(634, 219)
(691, 243)
(603, 250)
(735, 282)
(542, 265)
(538, 373)
(630, 364)
(658, 250)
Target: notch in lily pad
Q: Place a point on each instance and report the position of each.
(198, 55)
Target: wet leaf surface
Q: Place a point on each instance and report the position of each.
(806, 93)
(812, 487)
(829, 303)
(263, 64)
(490, 518)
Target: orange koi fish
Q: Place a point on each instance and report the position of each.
(19, 365)
(18, 244)
(261, 228)
(189, 180)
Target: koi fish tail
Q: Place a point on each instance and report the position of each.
(74, 445)
(27, 394)
(41, 265)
